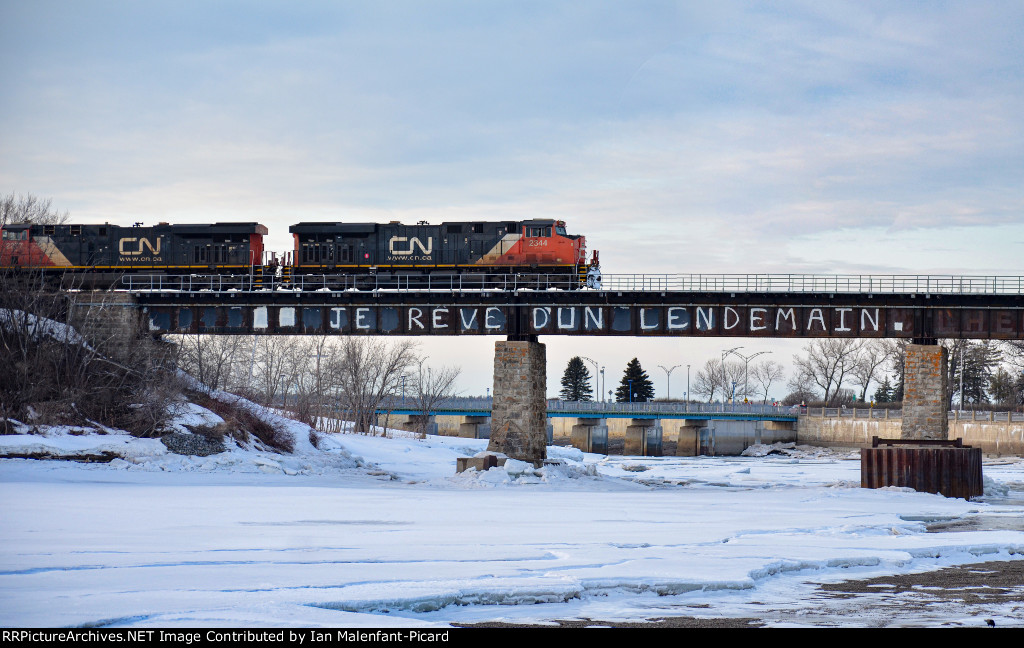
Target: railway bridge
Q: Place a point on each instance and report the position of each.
(521, 308)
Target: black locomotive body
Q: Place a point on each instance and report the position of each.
(102, 253)
(99, 255)
(536, 246)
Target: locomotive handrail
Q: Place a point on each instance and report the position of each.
(690, 283)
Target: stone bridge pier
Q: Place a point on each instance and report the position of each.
(519, 410)
(115, 325)
(925, 393)
(109, 321)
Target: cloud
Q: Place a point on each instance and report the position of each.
(675, 136)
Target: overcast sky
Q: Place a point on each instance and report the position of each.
(862, 137)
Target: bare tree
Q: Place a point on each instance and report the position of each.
(30, 209)
(827, 363)
(716, 376)
(709, 379)
(896, 352)
(430, 388)
(868, 365)
(1014, 353)
(313, 363)
(213, 360)
(735, 382)
(369, 370)
(766, 373)
(801, 390)
(50, 374)
(272, 360)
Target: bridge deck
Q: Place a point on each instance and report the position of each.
(648, 410)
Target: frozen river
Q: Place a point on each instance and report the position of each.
(371, 531)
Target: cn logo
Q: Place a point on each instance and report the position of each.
(413, 243)
(135, 246)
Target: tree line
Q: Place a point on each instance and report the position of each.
(321, 380)
(978, 373)
(834, 372)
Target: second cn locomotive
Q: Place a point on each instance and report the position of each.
(537, 246)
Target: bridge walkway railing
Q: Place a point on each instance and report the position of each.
(689, 283)
(889, 413)
(592, 409)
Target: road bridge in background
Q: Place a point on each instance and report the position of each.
(592, 409)
(597, 410)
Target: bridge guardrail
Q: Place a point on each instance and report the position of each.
(674, 409)
(647, 408)
(881, 413)
(691, 283)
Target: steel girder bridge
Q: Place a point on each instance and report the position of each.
(921, 308)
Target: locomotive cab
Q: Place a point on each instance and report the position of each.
(397, 251)
(547, 247)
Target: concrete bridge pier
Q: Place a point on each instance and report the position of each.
(472, 426)
(519, 410)
(590, 435)
(411, 422)
(689, 432)
(643, 438)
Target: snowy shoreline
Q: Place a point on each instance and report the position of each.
(367, 531)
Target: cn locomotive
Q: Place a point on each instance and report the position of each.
(98, 255)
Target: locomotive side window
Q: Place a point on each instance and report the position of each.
(310, 253)
(538, 232)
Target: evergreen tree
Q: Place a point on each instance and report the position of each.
(576, 382)
(643, 388)
(896, 396)
(980, 359)
(1006, 389)
(884, 392)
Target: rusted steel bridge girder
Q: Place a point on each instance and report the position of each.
(923, 318)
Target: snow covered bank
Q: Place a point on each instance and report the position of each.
(372, 531)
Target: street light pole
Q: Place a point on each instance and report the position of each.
(593, 362)
(668, 380)
(687, 387)
(725, 376)
(746, 363)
